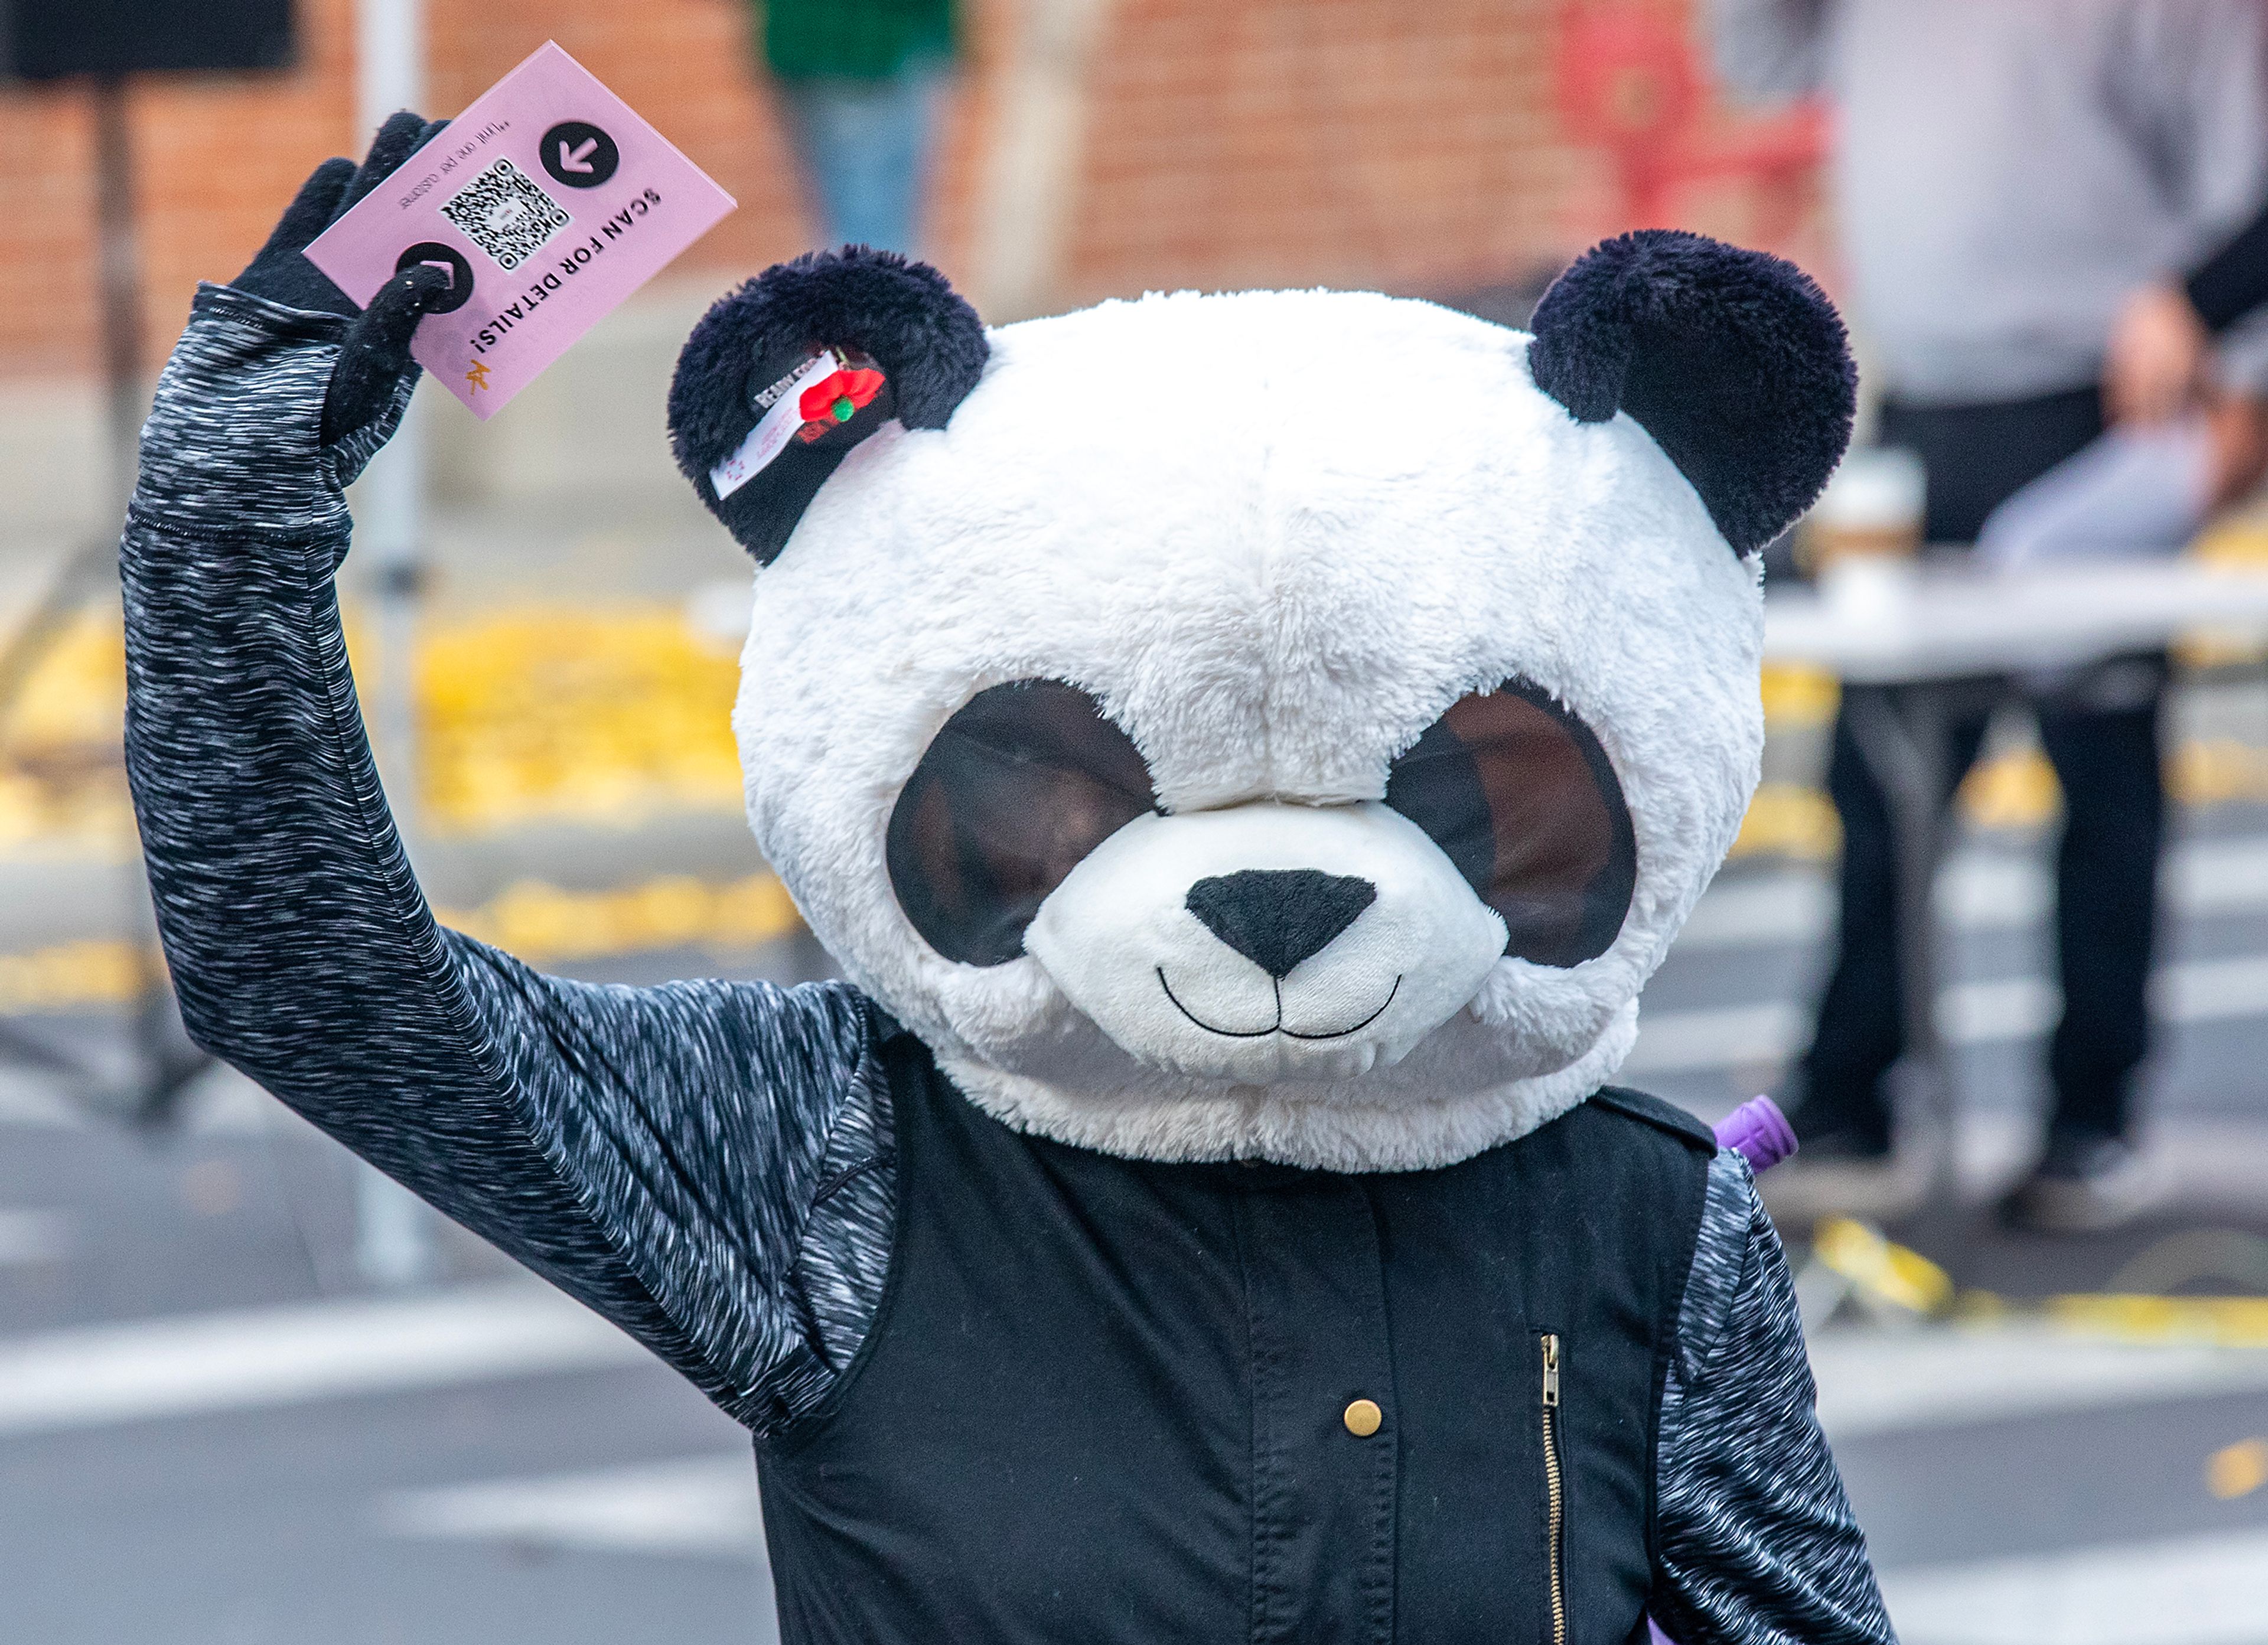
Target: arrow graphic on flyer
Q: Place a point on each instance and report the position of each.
(576, 159)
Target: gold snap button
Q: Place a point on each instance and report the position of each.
(1363, 1417)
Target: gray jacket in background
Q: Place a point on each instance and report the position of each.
(2007, 171)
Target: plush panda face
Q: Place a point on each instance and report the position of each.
(1262, 725)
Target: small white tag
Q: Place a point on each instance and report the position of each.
(769, 437)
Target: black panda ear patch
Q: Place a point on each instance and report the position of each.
(784, 376)
(1734, 361)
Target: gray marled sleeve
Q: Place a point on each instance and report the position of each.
(1756, 1540)
(657, 1153)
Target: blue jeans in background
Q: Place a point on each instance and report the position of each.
(865, 148)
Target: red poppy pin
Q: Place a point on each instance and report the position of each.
(837, 398)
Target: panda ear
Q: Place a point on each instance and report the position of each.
(854, 337)
(1734, 361)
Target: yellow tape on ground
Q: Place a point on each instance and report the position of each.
(1885, 1271)
(2225, 1321)
(1890, 1273)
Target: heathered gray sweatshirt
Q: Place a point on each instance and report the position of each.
(2007, 171)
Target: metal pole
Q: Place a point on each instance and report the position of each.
(119, 263)
(1902, 736)
(390, 497)
(393, 1231)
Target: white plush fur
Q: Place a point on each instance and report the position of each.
(1119, 940)
(1277, 534)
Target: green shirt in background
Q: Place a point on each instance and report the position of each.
(866, 39)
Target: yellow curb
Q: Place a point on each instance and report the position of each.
(539, 924)
(542, 924)
(74, 974)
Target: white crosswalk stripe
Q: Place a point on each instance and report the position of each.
(705, 1506)
(2199, 1591)
(1968, 1013)
(1886, 1382)
(96, 1375)
(1977, 891)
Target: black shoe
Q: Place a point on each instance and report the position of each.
(1843, 1145)
(2085, 1182)
(1833, 1126)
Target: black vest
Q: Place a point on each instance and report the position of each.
(1109, 1400)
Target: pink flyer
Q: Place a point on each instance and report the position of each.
(546, 202)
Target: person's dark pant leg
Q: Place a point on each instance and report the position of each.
(2107, 759)
(1861, 1027)
(1975, 456)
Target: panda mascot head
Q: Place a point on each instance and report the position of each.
(1284, 725)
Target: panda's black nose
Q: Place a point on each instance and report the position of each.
(1278, 917)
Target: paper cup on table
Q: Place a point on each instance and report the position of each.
(1864, 533)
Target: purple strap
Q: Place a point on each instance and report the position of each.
(1760, 1131)
(1763, 1134)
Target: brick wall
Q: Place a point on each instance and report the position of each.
(1334, 142)
(1228, 142)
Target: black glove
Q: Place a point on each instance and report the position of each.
(375, 357)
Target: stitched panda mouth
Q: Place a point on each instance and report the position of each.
(1276, 1027)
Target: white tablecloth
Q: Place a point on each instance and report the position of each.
(1956, 621)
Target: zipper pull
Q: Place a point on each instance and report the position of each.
(1550, 1369)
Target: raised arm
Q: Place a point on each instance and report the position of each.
(1757, 1544)
(654, 1152)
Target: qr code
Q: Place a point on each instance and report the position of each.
(504, 213)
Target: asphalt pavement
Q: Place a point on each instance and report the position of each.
(213, 1432)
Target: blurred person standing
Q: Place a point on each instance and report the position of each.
(860, 84)
(2009, 177)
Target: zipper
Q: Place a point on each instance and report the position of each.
(1555, 1490)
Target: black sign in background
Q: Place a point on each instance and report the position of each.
(45, 39)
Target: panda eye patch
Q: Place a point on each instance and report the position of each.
(1518, 794)
(1009, 797)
